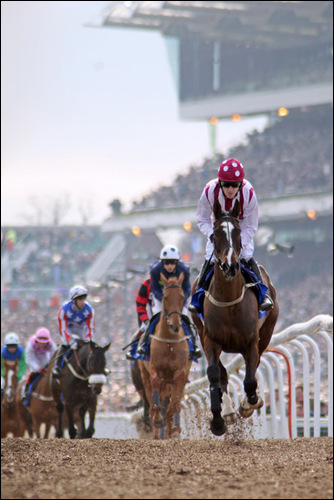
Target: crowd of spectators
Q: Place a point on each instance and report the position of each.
(293, 155)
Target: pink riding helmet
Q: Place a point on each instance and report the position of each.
(43, 335)
(231, 170)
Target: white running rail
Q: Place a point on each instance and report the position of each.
(301, 356)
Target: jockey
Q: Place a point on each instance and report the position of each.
(76, 319)
(39, 350)
(11, 351)
(227, 188)
(170, 266)
(144, 310)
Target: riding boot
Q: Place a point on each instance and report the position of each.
(134, 338)
(193, 333)
(141, 349)
(267, 302)
(56, 372)
(202, 282)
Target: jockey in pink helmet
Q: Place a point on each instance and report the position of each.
(230, 186)
(39, 350)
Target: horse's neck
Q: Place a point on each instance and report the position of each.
(224, 289)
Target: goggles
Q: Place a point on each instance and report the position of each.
(230, 184)
(166, 262)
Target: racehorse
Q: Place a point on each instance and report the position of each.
(80, 383)
(231, 322)
(166, 373)
(11, 421)
(138, 383)
(42, 407)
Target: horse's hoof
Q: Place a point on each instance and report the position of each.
(245, 413)
(231, 418)
(218, 428)
(246, 409)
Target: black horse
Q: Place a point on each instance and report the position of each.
(77, 390)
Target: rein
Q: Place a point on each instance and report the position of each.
(167, 314)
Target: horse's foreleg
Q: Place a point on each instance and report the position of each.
(228, 411)
(156, 416)
(174, 409)
(217, 424)
(70, 415)
(252, 401)
(92, 411)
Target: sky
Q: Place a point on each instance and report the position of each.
(89, 114)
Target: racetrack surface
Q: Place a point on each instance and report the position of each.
(133, 468)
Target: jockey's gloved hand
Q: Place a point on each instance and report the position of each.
(74, 345)
(144, 326)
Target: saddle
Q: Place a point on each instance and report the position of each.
(259, 290)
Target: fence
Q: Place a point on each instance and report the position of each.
(298, 360)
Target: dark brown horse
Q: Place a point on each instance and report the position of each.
(145, 421)
(80, 383)
(231, 322)
(11, 421)
(166, 373)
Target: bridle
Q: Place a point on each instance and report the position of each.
(166, 317)
(226, 217)
(167, 314)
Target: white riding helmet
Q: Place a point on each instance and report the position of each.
(11, 338)
(169, 252)
(77, 291)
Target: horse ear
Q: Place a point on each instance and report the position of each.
(106, 347)
(92, 344)
(163, 279)
(180, 278)
(217, 209)
(236, 209)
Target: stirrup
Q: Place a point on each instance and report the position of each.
(193, 309)
(56, 373)
(267, 303)
(196, 353)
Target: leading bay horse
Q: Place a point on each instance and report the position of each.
(80, 383)
(166, 373)
(231, 322)
(11, 421)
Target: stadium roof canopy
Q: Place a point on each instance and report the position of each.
(265, 23)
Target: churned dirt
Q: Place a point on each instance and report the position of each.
(109, 468)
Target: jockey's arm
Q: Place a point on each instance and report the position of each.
(249, 225)
(203, 215)
(31, 360)
(91, 325)
(156, 287)
(22, 366)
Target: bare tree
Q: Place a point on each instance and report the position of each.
(58, 208)
(86, 210)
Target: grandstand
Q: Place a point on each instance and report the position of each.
(290, 165)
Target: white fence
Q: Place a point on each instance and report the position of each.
(300, 357)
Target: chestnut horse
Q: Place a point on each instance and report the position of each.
(231, 322)
(166, 373)
(42, 407)
(77, 390)
(11, 421)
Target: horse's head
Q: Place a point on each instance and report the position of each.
(96, 365)
(227, 239)
(11, 380)
(172, 301)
